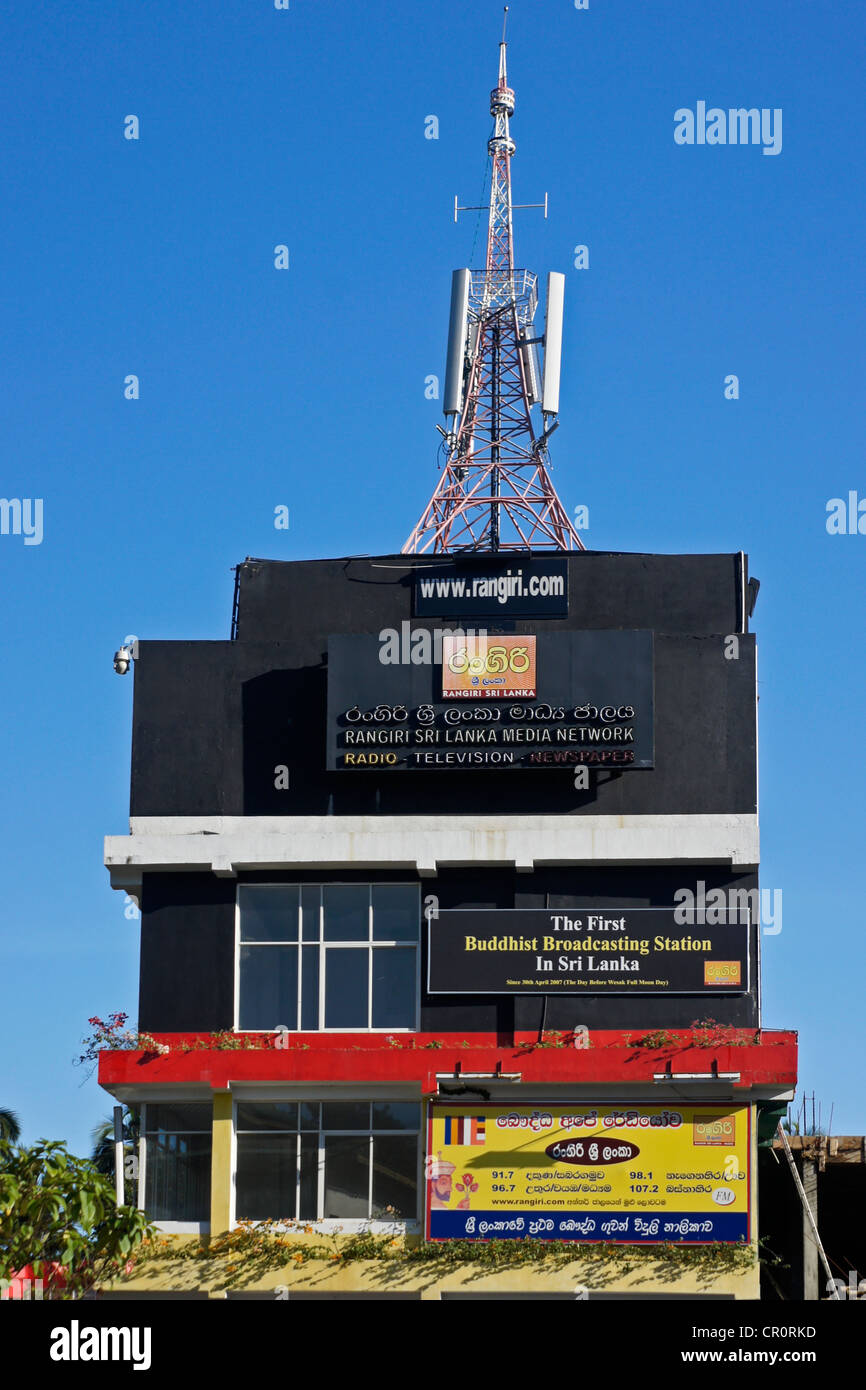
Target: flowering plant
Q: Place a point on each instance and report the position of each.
(110, 1035)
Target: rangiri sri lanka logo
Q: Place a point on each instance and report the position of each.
(483, 668)
(722, 972)
(716, 1130)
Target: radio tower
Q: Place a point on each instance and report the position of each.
(495, 493)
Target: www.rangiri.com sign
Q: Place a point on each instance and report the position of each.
(606, 1172)
(532, 587)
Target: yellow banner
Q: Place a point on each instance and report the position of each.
(611, 1172)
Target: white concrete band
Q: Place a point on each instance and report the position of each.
(225, 845)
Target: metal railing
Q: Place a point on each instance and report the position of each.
(500, 288)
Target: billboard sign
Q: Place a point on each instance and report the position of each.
(530, 587)
(563, 699)
(574, 951)
(606, 1172)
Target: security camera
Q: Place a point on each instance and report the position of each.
(122, 659)
(125, 654)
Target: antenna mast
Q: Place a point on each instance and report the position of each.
(495, 492)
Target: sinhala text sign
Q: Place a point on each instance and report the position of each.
(607, 1172)
(551, 700)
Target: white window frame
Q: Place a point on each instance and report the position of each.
(370, 945)
(169, 1227)
(397, 1225)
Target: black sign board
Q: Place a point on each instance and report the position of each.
(592, 706)
(521, 587)
(574, 951)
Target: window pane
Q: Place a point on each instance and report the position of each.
(396, 911)
(267, 1177)
(347, 911)
(347, 1169)
(269, 912)
(310, 898)
(396, 1115)
(268, 987)
(177, 1183)
(345, 988)
(308, 1197)
(309, 1114)
(346, 1114)
(395, 1177)
(267, 1115)
(184, 1118)
(310, 987)
(394, 987)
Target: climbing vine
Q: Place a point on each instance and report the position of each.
(254, 1248)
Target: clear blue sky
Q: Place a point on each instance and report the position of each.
(306, 387)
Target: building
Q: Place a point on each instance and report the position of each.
(832, 1173)
(448, 867)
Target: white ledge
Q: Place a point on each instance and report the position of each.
(422, 844)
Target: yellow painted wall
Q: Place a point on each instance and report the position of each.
(646, 1275)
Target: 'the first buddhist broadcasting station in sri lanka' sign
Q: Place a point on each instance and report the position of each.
(622, 950)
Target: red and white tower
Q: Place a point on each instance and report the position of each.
(495, 492)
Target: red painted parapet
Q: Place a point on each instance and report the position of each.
(616, 1057)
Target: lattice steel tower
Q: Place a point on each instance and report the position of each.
(495, 492)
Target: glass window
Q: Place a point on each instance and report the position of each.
(269, 911)
(346, 911)
(396, 912)
(319, 1172)
(192, 1116)
(346, 988)
(177, 1176)
(395, 1177)
(268, 987)
(308, 1184)
(338, 956)
(389, 1114)
(267, 1115)
(310, 988)
(311, 900)
(177, 1144)
(309, 1114)
(393, 987)
(346, 1114)
(267, 1177)
(347, 1176)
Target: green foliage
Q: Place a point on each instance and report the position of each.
(703, 1032)
(57, 1209)
(10, 1127)
(709, 1033)
(245, 1254)
(102, 1153)
(662, 1037)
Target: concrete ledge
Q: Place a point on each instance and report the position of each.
(421, 844)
